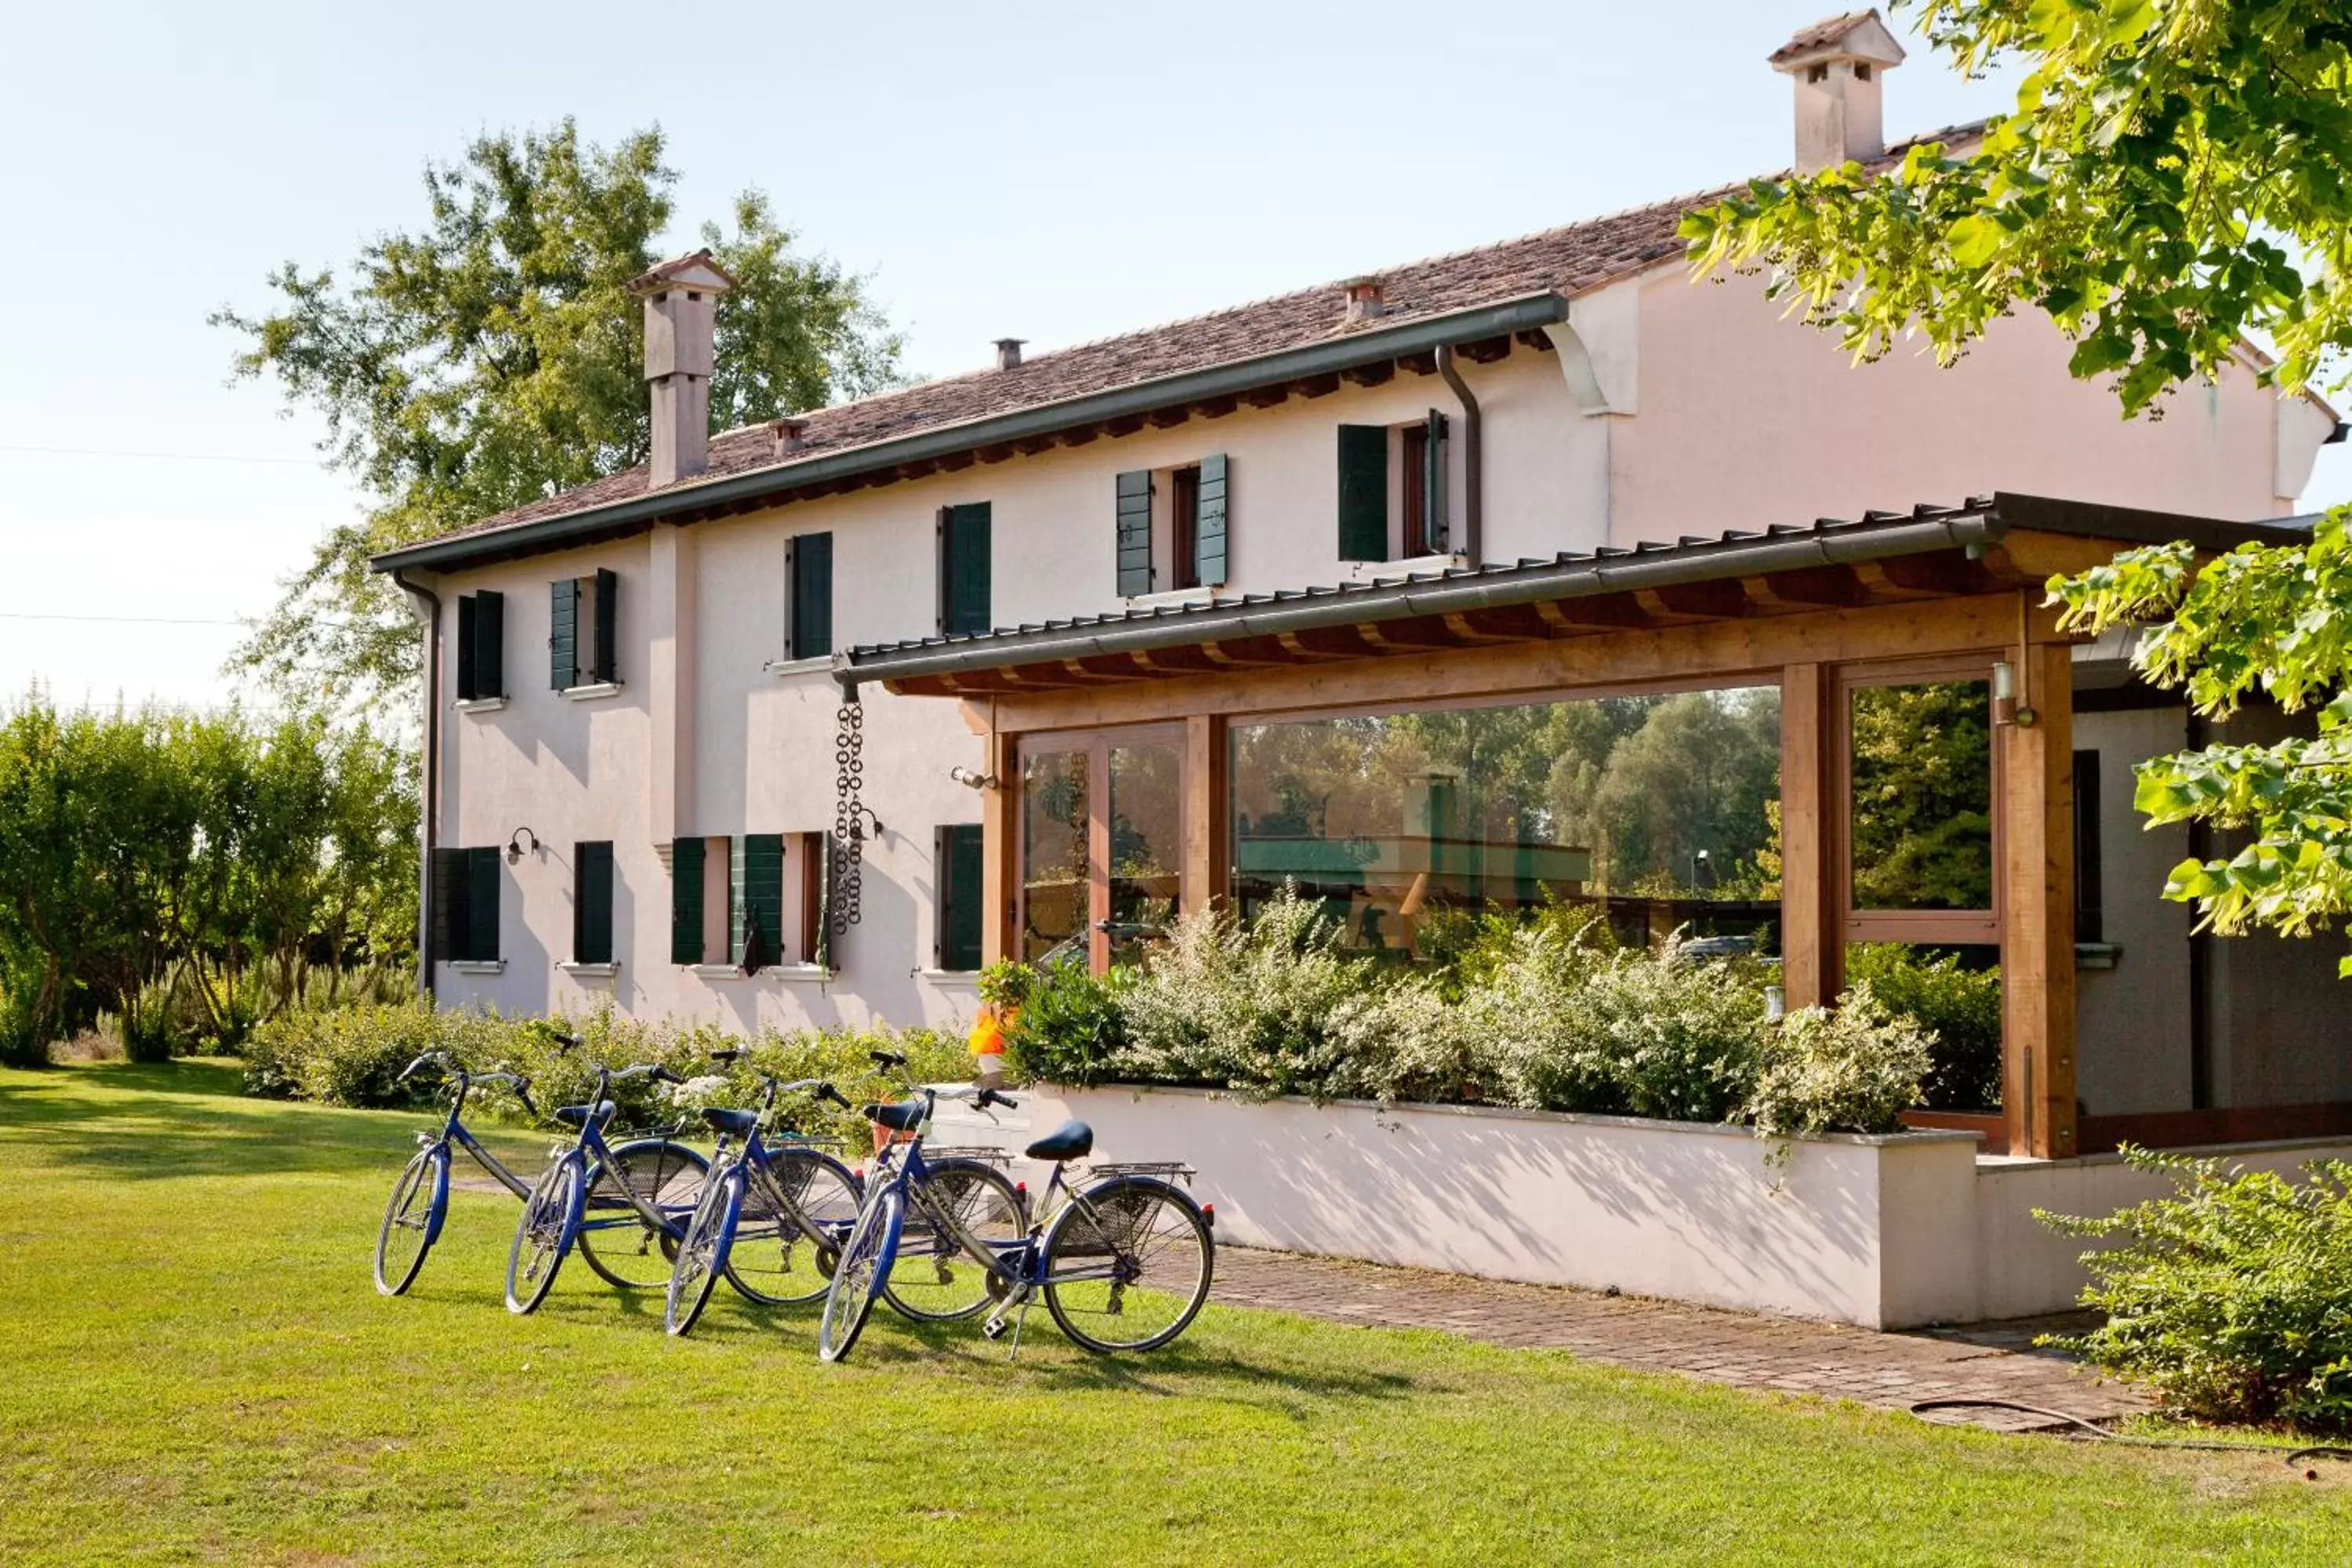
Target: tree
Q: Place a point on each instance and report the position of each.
(492, 358)
(2176, 177)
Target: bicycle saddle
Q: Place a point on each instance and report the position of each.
(903, 1117)
(1070, 1140)
(575, 1115)
(735, 1124)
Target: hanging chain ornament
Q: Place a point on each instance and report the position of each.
(848, 842)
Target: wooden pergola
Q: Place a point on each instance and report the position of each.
(1937, 594)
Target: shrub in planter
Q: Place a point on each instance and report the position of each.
(1958, 1009)
(1524, 1000)
(1070, 1028)
(1408, 1040)
(2231, 1298)
(1679, 1038)
(1853, 1070)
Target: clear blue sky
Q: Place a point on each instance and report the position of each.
(1055, 172)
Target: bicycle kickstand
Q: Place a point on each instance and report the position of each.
(1018, 1304)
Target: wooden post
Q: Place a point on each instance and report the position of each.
(2037, 867)
(1205, 878)
(1000, 873)
(1810, 912)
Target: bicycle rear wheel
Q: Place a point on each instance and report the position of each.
(932, 1279)
(618, 1244)
(774, 1259)
(1127, 1264)
(865, 1265)
(702, 1255)
(550, 1220)
(408, 1227)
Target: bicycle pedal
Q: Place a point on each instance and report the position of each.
(995, 1328)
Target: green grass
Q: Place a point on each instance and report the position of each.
(197, 1369)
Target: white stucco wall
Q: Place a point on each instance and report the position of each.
(2132, 1023)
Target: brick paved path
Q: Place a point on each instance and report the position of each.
(1887, 1370)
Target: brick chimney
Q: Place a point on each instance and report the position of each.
(1366, 299)
(1008, 353)
(681, 301)
(1836, 66)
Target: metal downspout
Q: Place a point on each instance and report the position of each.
(427, 605)
(1473, 467)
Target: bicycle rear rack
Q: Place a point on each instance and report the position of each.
(1176, 1168)
(980, 1151)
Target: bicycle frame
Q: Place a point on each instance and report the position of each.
(590, 1145)
(454, 1130)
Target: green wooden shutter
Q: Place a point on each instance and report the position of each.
(563, 634)
(957, 946)
(1433, 486)
(608, 605)
(966, 560)
(1209, 523)
(449, 894)
(482, 904)
(686, 901)
(489, 645)
(1363, 492)
(1132, 533)
(812, 595)
(762, 914)
(591, 903)
(468, 630)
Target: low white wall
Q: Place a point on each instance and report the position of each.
(1873, 1231)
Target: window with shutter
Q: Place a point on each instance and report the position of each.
(563, 634)
(811, 571)
(1363, 492)
(1209, 526)
(608, 597)
(469, 687)
(1432, 538)
(591, 903)
(958, 942)
(762, 922)
(1131, 528)
(482, 905)
(964, 570)
(489, 645)
(686, 901)
(450, 893)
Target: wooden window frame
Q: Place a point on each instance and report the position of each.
(1098, 744)
(1954, 928)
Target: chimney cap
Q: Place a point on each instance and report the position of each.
(1851, 36)
(788, 433)
(1008, 353)
(694, 270)
(1365, 298)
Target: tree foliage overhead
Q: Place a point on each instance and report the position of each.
(494, 356)
(2176, 176)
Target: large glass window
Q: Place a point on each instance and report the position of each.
(1053, 820)
(1920, 815)
(1662, 811)
(1147, 849)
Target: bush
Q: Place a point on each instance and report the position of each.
(1854, 1070)
(2228, 1298)
(1958, 1009)
(1070, 1028)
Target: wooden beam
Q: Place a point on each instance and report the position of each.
(1513, 623)
(1421, 363)
(1487, 351)
(1718, 601)
(2035, 799)
(1205, 875)
(1078, 436)
(1470, 631)
(1308, 645)
(1373, 374)
(1267, 396)
(956, 462)
(1402, 636)
(1031, 446)
(1000, 873)
(2034, 558)
(1808, 587)
(1810, 927)
(1216, 407)
(995, 452)
(1533, 339)
(1125, 425)
(1169, 418)
(1604, 612)
(1315, 385)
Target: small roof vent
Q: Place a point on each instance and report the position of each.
(1365, 299)
(787, 435)
(1008, 353)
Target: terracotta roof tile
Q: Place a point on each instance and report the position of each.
(1821, 35)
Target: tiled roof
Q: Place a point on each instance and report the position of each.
(1570, 260)
(1823, 34)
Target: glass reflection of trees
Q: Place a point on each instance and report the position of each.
(1053, 849)
(1922, 802)
(1662, 809)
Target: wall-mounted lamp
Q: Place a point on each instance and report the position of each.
(856, 829)
(971, 780)
(2005, 707)
(515, 850)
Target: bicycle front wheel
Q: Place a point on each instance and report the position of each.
(702, 1255)
(407, 1232)
(1127, 1264)
(857, 1279)
(615, 1238)
(551, 1218)
(934, 1279)
(795, 1216)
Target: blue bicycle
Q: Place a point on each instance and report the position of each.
(624, 1206)
(1123, 1263)
(420, 1198)
(775, 1209)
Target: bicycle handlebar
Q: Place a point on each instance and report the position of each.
(428, 1057)
(886, 1059)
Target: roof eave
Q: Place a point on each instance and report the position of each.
(1524, 313)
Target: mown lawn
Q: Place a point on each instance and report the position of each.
(198, 1369)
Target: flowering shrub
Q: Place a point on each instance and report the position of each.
(1853, 1069)
(2228, 1298)
(1070, 1028)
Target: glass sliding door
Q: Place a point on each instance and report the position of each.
(1102, 842)
(1146, 862)
(1054, 850)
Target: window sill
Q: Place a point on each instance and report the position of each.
(2097, 955)
(594, 691)
(804, 974)
(604, 971)
(476, 966)
(819, 665)
(949, 976)
(479, 704)
(1417, 565)
(1172, 599)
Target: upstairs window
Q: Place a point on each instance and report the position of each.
(1171, 527)
(964, 560)
(465, 905)
(591, 903)
(582, 616)
(808, 576)
(482, 646)
(1395, 483)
